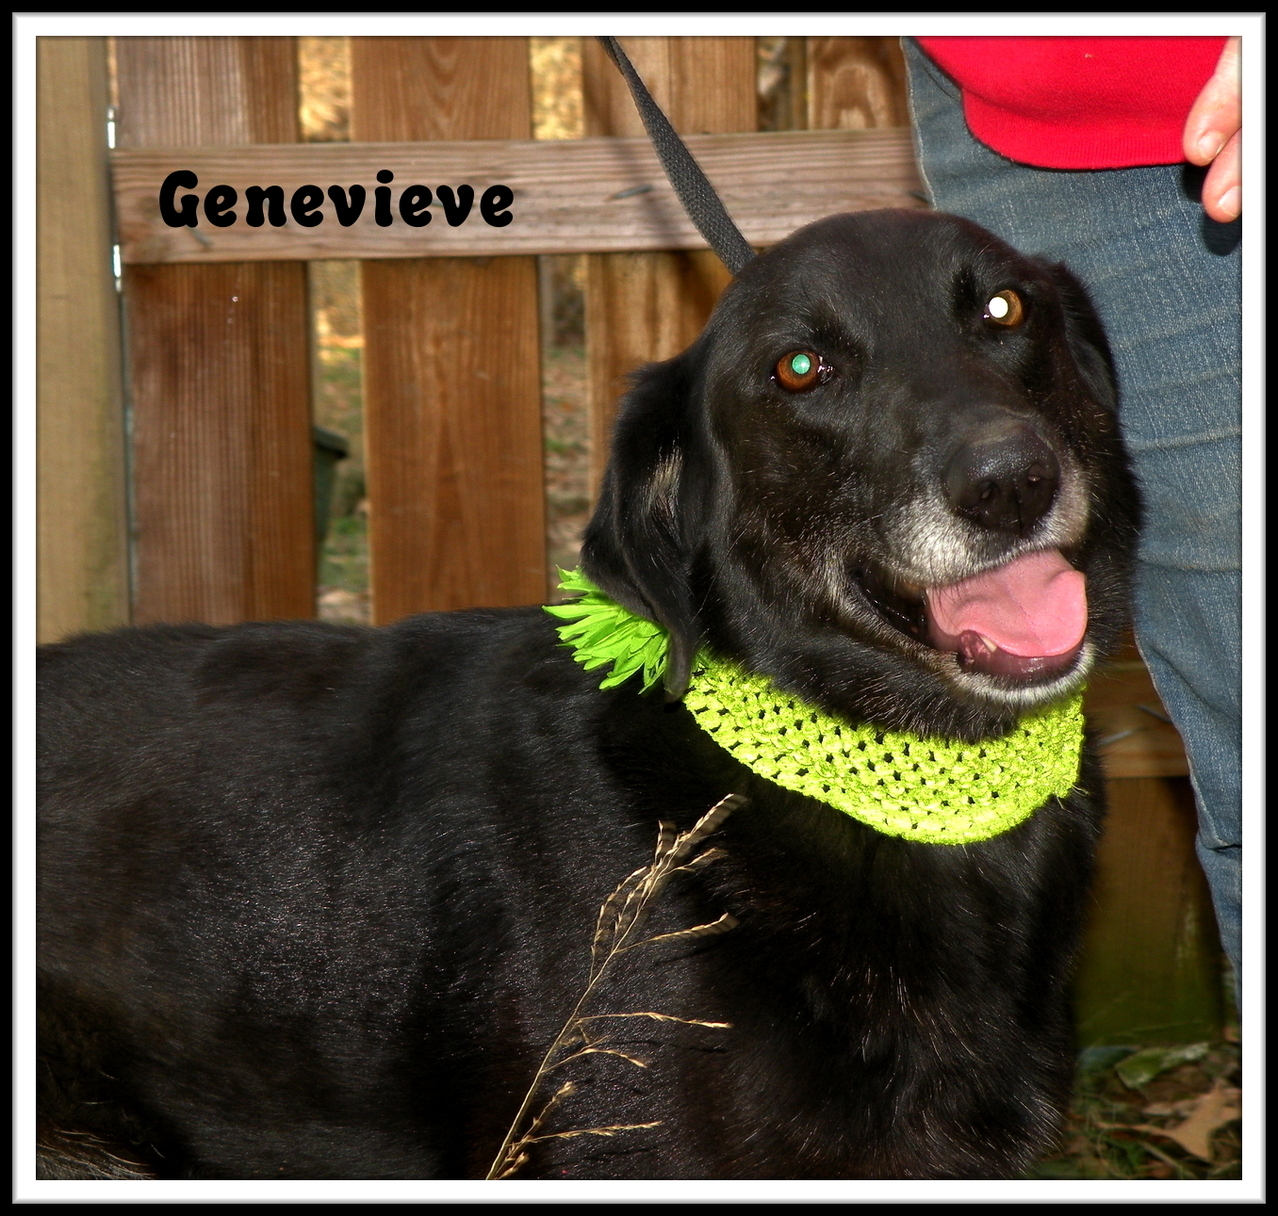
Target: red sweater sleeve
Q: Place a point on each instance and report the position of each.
(1079, 103)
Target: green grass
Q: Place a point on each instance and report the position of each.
(343, 574)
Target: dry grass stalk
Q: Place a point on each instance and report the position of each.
(618, 929)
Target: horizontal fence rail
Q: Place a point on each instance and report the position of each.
(593, 195)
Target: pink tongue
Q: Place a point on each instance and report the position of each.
(1033, 606)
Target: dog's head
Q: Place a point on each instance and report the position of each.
(888, 475)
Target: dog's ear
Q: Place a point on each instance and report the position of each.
(636, 544)
(1086, 336)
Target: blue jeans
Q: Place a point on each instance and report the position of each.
(1166, 282)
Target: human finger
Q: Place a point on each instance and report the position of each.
(1217, 113)
(1222, 187)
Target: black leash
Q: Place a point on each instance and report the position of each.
(703, 205)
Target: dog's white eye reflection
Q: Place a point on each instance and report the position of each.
(801, 370)
(1005, 309)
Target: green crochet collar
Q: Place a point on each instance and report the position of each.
(932, 790)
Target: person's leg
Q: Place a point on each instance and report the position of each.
(1166, 283)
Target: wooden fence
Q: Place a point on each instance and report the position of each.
(213, 359)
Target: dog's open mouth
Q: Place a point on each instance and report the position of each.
(1024, 620)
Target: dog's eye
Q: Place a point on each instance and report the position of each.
(1006, 309)
(801, 370)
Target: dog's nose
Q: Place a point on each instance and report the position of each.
(1003, 478)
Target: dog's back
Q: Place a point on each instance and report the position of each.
(261, 848)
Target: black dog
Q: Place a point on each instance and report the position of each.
(315, 900)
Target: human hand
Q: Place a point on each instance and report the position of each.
(1213, 136)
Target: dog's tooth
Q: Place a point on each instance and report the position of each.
(988, 644)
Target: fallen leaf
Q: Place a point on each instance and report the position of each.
(1218, 1106)
(1144, 1066)
(1186, 1106)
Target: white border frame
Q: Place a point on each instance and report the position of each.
(28, 26)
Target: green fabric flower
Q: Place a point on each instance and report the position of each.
(602, 631)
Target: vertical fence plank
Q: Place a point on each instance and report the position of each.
(1150, 970)
(452, 387)
(222, 485)
(83, 532)
(856, 83)
(646, 306)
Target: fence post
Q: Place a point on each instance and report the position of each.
(83, 546)
(452, 387)
(219, 369)
(1150, 970)
(646, 306)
